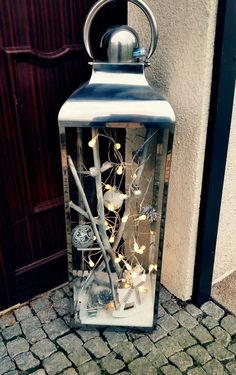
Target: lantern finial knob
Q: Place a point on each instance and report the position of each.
(120, 43)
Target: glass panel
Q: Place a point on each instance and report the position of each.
(115, 183)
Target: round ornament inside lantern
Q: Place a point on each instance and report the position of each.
(82, 236)
(113, 199)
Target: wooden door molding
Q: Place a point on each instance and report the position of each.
(43, 61)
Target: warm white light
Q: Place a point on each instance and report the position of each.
(137, 192)
(92, 142)
(140, 250)
(142, 289)
(91, 263)
(128, 266)
(108, 187)
(136, 247)
(152, 232)
(110, 207)
(112, 239)
(94, 238)
(123, 196)
(141, 218)
(125, 218)
(119, 170)
(134, 274)
(117, 146)
(120, 257)
(152, 267)
(107, 225)
(134, 175)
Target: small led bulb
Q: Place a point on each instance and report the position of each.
(125, 218)
(143, 247)
(117, 260)
(137, 192)
(123, 196)
(117, 146)
(92, 142)
(91, 263)
(136, 248)
(151, 268)
(128, 266)
(142, 217)
(94, 238)
(108, 187)
(119, 170)
(110, 207)
(142, 289)
(112, 239)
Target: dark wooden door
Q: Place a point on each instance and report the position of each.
(42, 60)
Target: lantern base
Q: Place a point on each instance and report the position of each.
(135, 307)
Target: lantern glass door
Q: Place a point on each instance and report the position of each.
(116, 181)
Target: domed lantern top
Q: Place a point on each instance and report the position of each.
(118, 90)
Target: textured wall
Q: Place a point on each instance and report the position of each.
(225, 260)
(181, 68)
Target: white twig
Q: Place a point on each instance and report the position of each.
(100, 201)
(87, 207)
(81, 211)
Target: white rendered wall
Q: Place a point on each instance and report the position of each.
(182, 68)
(225, 259)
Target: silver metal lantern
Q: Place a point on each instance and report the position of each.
(116, 142)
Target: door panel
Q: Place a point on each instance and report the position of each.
(42, 61)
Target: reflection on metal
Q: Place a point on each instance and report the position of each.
(116, 93)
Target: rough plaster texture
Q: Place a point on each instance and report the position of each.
(225, 259)
(182, 69)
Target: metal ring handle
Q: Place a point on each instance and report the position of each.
(141, 4)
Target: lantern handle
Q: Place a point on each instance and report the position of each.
(141, 4)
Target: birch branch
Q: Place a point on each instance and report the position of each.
(100, 202)
(86, 205)
(81, 211)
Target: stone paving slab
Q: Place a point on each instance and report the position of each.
(36, 339)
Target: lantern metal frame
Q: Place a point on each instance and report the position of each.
(119, 96)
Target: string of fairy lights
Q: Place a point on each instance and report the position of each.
(116, 202)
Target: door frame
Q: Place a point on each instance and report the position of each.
(218, 133)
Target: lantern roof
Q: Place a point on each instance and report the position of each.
(116, 93)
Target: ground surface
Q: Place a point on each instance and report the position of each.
(36, 339)
(224, 292)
